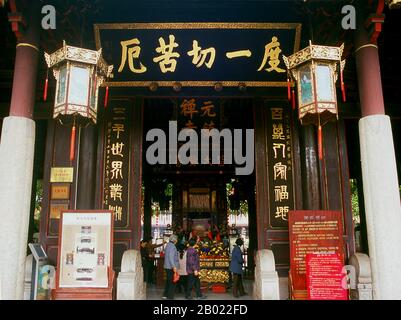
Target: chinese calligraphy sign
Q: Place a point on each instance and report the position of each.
(280, 165)
(198, 54)
(117, 162)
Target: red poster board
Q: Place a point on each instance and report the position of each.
(324, 274)
(312, 231)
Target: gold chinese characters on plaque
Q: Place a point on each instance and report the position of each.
(60, 191)
(280, 165)
(56, 208)
(117, 162)
(59, 174)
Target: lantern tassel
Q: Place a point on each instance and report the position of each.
(343, 92)
(293, 99)
(106, 97)
(72, 143)
(320, 142)
(343, 87)
(46, 86)
(289, 89)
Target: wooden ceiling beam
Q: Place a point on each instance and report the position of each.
(17, 20)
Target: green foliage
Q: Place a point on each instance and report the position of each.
(38, 204)
(243, 204)
(169, 190)
(354, 199)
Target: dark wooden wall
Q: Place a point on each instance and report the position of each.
(88, 169)
(317, 184)
(57, 155)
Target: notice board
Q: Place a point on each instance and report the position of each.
(312, 232)
(325, 277)
(85, 252)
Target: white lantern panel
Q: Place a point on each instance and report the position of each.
(79, 86)
(62, 80)
(324, 83)
(305, 77)
(93, 94)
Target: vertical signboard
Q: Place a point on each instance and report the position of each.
(312, 232)
(117, 162)
(279, 146)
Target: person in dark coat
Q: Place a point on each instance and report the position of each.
(193, 269)
(171, 265)
(145, 260)
(150, 247)
(236, 268)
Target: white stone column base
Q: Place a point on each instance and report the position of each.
(28, 277)
(130, 284)
(266, 285)
(361, 278)
(16, 170)
(382, 205)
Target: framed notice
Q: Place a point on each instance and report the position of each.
(326, 278)
(61, 175)
(312, 232)
(60, 191)
(56, 208)
(85, 249)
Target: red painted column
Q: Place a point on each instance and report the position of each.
(379, 173)
(17, 150)
(369, 76)
(25, 69)
(24, 83)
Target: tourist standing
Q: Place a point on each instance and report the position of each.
(145, 260)
(171, 265)
(182, 271)
(193, 269)
(150, 247)
(236, 268)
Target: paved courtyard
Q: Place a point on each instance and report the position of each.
(154, 293)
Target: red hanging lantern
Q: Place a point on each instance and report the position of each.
(79, 73)
(315, 70)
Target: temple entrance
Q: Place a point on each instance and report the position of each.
(206, 201)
